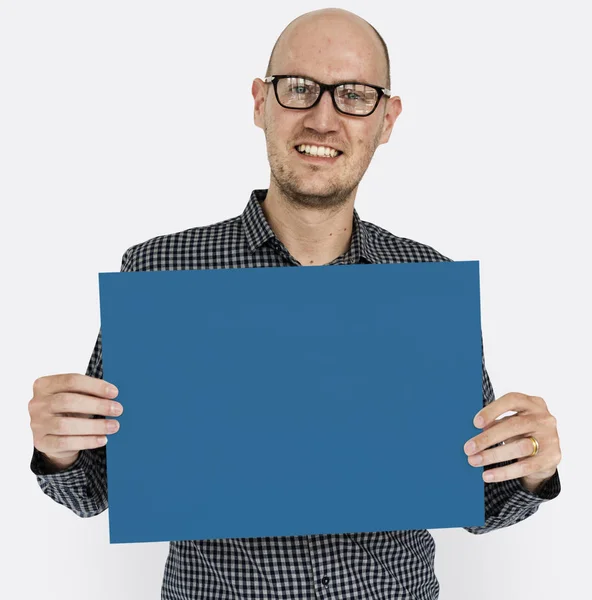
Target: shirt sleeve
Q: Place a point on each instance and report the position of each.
(508, 502)
(82, 487)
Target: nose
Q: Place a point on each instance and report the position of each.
(323, 117)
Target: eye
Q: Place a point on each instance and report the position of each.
(348, 94)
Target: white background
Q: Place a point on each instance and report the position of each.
(109, 136)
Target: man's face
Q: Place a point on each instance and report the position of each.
(327, 58)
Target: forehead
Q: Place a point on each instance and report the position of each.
(331, 54)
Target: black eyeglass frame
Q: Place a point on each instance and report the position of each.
(273, 79)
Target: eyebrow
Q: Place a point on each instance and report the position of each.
(336, 83)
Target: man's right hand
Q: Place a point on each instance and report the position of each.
(61, 410)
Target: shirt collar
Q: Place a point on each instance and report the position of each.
(258, 231)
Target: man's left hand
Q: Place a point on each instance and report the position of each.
(532, 418)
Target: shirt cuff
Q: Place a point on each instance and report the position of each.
(41, 467)
(548, 491)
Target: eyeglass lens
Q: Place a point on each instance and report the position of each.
(352, 98)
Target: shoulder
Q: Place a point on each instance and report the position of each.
(181, 249)
(388, 247)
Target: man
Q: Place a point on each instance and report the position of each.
(306, 217)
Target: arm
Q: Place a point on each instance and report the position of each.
(81, 487)
(509, 502)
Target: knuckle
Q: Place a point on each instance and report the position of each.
(34, 425)
(517, 425)
(61, 426)
(32, 405)
(62, 403)
(494, 456)
(61, 442)
(55, 404)
(68, 381)
(38, 385)
(102, 408)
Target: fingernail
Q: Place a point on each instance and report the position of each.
(479, 421)
(112, 391)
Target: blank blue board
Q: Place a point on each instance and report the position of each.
(292, 401)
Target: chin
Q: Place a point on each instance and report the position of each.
(317, 188)
(317, 196)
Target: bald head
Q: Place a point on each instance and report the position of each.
(329, 22)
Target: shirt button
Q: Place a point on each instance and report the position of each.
(325, 581)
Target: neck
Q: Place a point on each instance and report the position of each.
(313, 236)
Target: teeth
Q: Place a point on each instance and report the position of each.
(317, 151)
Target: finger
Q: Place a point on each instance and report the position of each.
(70, 426)
(514, 426)
(510, 402)
(521, 468)
(54, 444)
(74, 382)
(79, 404)
(498, 420)
(490, 425)
(520, 448)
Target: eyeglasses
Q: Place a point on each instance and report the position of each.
(301, 93)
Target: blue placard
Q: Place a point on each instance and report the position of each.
(292, 401)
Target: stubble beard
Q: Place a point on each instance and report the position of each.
(335, 193)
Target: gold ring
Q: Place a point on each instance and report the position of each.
(535, 445)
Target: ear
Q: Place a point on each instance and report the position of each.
(259, 91)
(393, 110)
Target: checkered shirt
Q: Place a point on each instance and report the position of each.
(372, 566)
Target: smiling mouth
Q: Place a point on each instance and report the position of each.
(324, 155)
